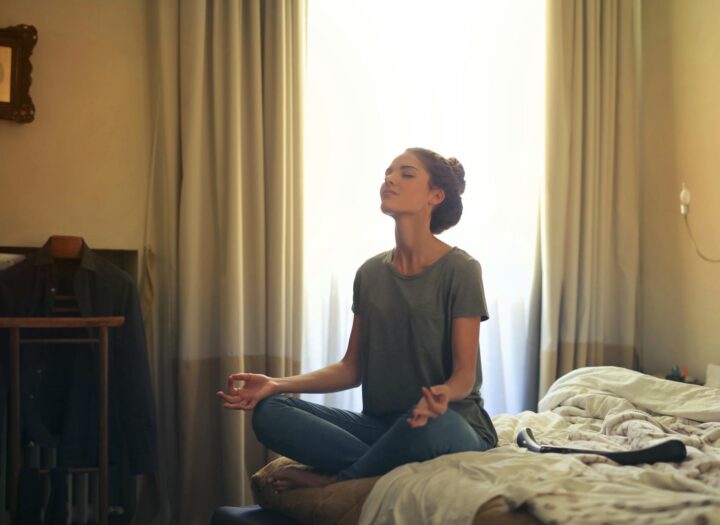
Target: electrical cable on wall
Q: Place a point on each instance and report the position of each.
(684, 210)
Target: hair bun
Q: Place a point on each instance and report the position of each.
(459, 172)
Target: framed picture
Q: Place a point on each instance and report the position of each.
(16, 46)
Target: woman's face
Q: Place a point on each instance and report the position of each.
(406, 188)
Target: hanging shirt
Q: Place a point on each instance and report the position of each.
(59, 390)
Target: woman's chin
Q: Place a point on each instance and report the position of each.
(387, 210)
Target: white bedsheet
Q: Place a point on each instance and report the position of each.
(600, 408)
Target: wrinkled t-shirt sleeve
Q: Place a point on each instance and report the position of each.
(468, 293)
(356, 294)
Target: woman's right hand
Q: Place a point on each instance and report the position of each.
(255, 388)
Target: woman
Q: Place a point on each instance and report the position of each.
(413, 347)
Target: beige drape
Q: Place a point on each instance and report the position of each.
(224, 263)
(590, 203)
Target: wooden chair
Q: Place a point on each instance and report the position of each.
(15, 325)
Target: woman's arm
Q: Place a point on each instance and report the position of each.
(333, 378)
(339, 376)
(435, 399)
(465, 337)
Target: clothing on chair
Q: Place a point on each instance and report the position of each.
(59, 391)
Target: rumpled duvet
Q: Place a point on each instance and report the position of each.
(597, 408)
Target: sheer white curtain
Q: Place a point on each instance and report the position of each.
(464, 78)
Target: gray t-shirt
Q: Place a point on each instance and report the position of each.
(406, 332)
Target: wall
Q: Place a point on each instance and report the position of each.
(680, 302)
(81, 167)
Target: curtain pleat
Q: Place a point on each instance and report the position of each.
(224, 234)
(284, 41)
(590, 204)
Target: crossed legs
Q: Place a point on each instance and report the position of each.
(340, 444)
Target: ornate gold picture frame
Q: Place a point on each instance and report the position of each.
(16, 46)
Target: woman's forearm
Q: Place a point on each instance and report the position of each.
(333, 378)
(460, 384)
(465, 336)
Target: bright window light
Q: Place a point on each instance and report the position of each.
(464, 78)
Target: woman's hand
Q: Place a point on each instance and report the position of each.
(255, 388)
(433, 403)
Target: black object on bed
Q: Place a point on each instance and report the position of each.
(672, 451)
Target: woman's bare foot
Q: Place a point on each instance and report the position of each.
(295, 478)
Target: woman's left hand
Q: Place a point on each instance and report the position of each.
(433, 403)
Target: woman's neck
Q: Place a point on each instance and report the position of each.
(416, 248)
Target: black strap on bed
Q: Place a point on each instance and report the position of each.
(672, 451)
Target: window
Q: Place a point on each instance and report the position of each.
(464, 78)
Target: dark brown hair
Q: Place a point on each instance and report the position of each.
(449, 176)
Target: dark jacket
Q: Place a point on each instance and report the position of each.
(59, 395)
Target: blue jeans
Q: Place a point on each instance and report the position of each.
(353, 445)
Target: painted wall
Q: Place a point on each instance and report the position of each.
(680, 302)
(81, 167)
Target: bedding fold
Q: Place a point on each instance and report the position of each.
(598, 408)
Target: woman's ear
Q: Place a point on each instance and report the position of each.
(437, 195)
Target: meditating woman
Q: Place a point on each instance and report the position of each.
(413, 347)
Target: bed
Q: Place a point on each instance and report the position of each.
(596, 408)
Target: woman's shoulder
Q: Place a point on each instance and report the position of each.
(459, 257)
(375, 262)
(461, 266)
